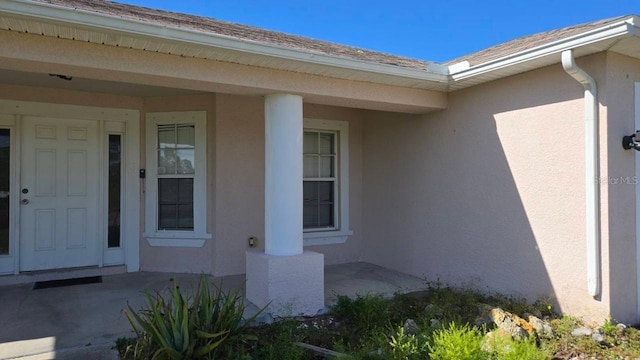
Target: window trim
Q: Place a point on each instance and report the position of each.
(177, 238)
(342, 230)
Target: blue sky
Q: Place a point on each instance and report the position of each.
(427, 30)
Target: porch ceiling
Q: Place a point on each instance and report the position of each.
(148, 71)
(11, 77)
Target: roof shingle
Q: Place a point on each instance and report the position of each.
(529, 42)
(244, 32)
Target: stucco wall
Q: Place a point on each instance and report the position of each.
(240, 183)
(618, 97)
(488, 193)
(240, 180)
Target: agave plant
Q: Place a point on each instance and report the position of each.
(183, 328)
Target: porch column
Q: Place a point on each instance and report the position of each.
(283, 175)
(284, 277)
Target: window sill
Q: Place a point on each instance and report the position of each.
(326, 237)
(177, 239)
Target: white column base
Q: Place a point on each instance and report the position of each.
(290, 285)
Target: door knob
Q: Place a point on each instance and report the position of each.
(25, 201)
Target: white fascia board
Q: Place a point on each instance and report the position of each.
(63, 15)
(618, 29)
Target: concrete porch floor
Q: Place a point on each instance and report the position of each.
(84, 321)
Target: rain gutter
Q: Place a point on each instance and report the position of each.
(591, 169)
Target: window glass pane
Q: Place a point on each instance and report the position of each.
(326, 166)
(167, 217)
(175, 204)
(166, 136)
(185, 216)
(325, 215)
(115, 172)
(310, 216)
(5, 161)
(325, 191)
(326, 143)
(185, 161)
(310, 142)
(167, 162)
(310, 191)
(310, 166)
(186, 136)
(168, 191)
(185, 191)
(318, 208)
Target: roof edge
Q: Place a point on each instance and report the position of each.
(104, 22)
(623, 27)
(449, 76)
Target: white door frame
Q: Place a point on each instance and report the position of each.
(126, 122)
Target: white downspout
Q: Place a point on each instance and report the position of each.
(591, 169)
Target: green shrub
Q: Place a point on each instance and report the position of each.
(526, 349)
(407, 346)
(609, 327)
(506, 348)
(279, 343)
(454, 342)
(369, 312)
(176, 328)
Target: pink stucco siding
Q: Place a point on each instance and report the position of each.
(620, 217)
(490, 192)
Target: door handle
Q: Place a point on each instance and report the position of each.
(24, 201)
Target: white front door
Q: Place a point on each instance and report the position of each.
(59, 194)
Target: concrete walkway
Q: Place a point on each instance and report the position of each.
(83, 321)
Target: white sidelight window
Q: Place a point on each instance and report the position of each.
(176, 179)
(325, 182)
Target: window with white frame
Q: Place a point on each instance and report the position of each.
(176, 179)
(325, 182)
(320, 175)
